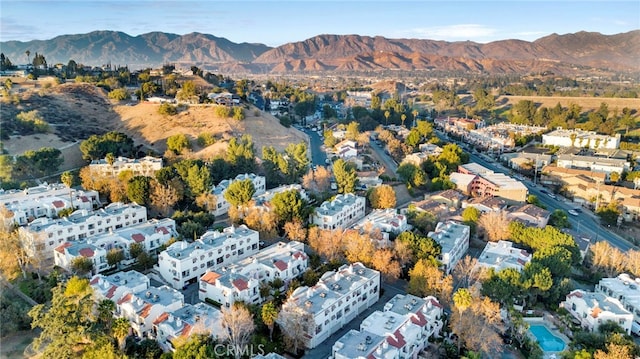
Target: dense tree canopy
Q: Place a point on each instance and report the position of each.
(97, 147)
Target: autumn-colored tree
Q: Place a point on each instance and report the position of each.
(357, 247)
(383, 261)
(237, 327)
(632, 263)
(13, 258)
(466, 272)
(427, 279)
(318, 180)
(403, 252)
(163, 198)
(295, 231)
(495, 225)
(326, 243)
(262, 221)
(614, 351)
(382, 197)
(607, 258)
(479, 328)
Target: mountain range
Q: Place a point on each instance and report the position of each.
(560, 54)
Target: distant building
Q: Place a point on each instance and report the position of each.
(336, 300)
(454, 240)
(594, 309)
(146, 166)
(580, 138)
(502, 255)
(486, 182)
(342, 212)
(592, 163)
(183, 263)
(486, 204)
(450, 197)
(241, 281)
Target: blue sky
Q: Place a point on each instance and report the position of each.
(277, 22)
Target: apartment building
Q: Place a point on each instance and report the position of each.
(593, 163)
(183, 263)
(185, 322)
(222, 206)
(42, 235)
(489, 183)
(151, 235)
(268, 195)
(45, 200)
(401, 330)
(342, 212)
(627, 291)
(386, 222)
(146, 166)
(454, 240)
(502, 255)
(579, 138)
(530, 215)
(144, 307)
(336, 300)
(241, 281)
(594, 309)
(117, 285)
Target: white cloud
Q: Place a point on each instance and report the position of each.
(475, 32)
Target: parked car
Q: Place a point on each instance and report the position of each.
(551, 195)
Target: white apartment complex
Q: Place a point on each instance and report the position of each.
(401, 330)
(594, 309)
(386, 221)
(146, 166)
(185, 322)
(144, 307)
(342, 212)
(627, 291)
(502, 255)
(580, 138)
(454, 240)
(593, 163)
(183, 263)
(151, 235)
(241, 281)
(267, 196)
(115, 286)
(222, 206)
(42, 235)
(337, 298)
(45, 200)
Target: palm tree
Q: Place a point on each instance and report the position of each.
(269, 316)
(67, 178)
(105, 312)
(403, 118)
(386, 116)
(28, 53)
(110, 158)
(120, 331)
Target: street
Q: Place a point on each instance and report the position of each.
(318, 156)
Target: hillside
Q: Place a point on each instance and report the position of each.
(560, 54)
(76, 111)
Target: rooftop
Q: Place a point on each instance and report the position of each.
(447, 234)
(330, 208)
(501, 255)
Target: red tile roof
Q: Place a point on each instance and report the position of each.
(126, 298)
(58, 204)
(163, 230)
(138, 237)
(111, 291)
(84, 199)
(575, 294)
(186, 331)
(146, 310)
(298, 255)
(240, 284)
(95, 280)
(164, 316)
(210, 277)
(61, 247)
(86, 252)
(435, 303)
(419, 319)
(398, 341)
(281, 265)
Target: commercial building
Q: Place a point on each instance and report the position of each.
(454, 241)
(336, 300)
(241, 281)
(342, 212)
(183, 263)
(489, 183)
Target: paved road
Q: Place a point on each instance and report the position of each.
(323, 350)
(389, 164)
(318, 156)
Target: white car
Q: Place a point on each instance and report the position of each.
(573, 212)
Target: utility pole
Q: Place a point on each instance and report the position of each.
(597, 196)
(535, 173)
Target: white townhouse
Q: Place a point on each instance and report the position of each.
(45, 200)
(42, 235)
(346, 149)
(502, 255)
(335, 300)
(241, 281)
(146, 166)
(144, 307)
(151, 235)
(117, 285)
(386, 221)
(579, 138)
(594, 309)
(454, 239)
(183, 263)
(627, 291)
(222, 206)
(342, 212)
(185, 322)
(268, 195)
(402, 330)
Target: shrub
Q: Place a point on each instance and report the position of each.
(206, 139)
(119, 94)
(238, 114)
(285, 121)
(222, 111)
(167, 109)
(177, 143)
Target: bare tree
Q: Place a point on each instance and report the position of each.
(317, 180)
(466, 272)
(295, 323)
(163, 198)
(495, 225)
(295, 231)
(237, 328)
(479, 326)
(403, 252)
(632, 263)
(383, 260)
(606, 258)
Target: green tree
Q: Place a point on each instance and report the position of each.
(413, 139)
(82, 265)
(6, 169)
(178, 143)
(559, 219)
(345, 175)
(188, 92)
(45, 161)
(352, 131)
(609, 214)
(412, 175)
(382, 197)
(199, 346)
(167, 109)
(67, 178)
(471, 215)
(240, 192)
(241, 154)
(198, 180)
(96, 146)
(462, 300)
(135, 249)
(114, 256)
(269, 316)
(288, 206)
(120, 331)
(119, 94)
(31, 122)
(421, 247)
(138, 189)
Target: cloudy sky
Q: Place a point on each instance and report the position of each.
(277, 22)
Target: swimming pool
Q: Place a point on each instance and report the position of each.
(548, 342)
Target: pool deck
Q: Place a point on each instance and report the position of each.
(553, 329)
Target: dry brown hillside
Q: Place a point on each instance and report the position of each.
(76, 111)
